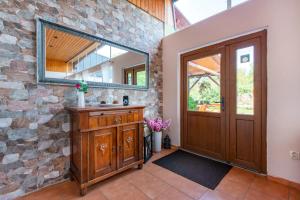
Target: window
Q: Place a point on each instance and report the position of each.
(97, 56)
(141, 78)
(204, 91)
(188, 12)
(90, 60)
(245, 80)
(110, 52)
(135, 75)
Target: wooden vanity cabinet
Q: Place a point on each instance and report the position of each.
(104, 142)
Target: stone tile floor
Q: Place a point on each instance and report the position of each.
(154, 182)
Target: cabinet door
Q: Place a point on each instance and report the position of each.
(128, 144)
(102, 152)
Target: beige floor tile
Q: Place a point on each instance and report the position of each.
(147, 183)
(256, 195)
(66, 191)
(240, 175)
(186, 186)
(121, 189)
(270, 188)
(216, 195)
(95, 194)
(152, 168)
(172, 194)
(161, 154)
(294, 194)
(235, 189)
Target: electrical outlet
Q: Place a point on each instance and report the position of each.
(295, 155)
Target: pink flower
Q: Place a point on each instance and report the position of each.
(157, 125)
(77, 85)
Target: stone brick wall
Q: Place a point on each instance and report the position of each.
(34, 128)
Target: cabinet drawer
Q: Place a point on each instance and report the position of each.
(102, 119)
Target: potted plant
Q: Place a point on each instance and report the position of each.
(157, 126)
(82, 87)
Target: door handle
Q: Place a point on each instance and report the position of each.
(223, 103)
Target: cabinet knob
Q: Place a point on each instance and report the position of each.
(117, 120)
(129, 139)
(102, 147)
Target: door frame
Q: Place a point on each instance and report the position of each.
(263, 42)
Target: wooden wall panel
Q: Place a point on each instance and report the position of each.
(155, 8)
(145, 5)
(57, 66)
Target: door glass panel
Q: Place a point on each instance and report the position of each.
(204, 84)
(245, 80)
(129, 79)
(141, 78)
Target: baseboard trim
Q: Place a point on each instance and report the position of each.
(45, 188)
(284, 182)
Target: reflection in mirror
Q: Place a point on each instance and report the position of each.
(71, 57)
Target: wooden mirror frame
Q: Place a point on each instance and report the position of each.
(41, 24)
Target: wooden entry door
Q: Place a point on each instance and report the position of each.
(204, 126)
(246, 103)
(223, 101)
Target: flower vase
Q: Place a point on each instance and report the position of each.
(157, 136)
(81, 102)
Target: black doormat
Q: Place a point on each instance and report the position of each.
(199, 169)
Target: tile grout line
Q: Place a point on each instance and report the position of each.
(103, 194)
(248, 189)
(140, 190)
(137, 187)
(175, 187)
(207, 189)
(266, 194)
(228, 179)
(255, 177)
(289, 197)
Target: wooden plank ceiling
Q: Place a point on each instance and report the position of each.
(155, 8)
(63, 46)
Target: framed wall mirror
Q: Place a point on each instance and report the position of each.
(66, 56)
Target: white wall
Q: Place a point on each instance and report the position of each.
(282, 19)
(129, 59)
